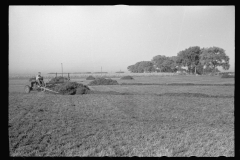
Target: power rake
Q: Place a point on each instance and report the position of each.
(38, 87)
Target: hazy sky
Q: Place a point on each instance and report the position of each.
(84, 38)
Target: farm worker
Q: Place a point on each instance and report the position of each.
(38, 78)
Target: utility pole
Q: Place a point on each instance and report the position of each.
(101, 70)
(62, 70)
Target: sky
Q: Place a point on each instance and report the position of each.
(86, 38)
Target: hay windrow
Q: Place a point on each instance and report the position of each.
(197, 95)
(103, 81)
(71, 88)
(58, 80)
(127, 77)
(111, 93)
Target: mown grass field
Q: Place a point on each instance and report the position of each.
(153, 120)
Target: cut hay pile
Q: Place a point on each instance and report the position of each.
(58, 80)
(90, 78)
(103, 81)
(127, 77)
(71, 88)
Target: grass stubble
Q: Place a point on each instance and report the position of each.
(120, 125)
(127, 120)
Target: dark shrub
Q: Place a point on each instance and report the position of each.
(103, 81)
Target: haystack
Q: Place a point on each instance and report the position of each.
(127, 77)
(58, 80)
(103, 81)
(82, 89)
(71, 88)
(90, 78)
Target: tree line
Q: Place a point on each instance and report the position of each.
(195, 59)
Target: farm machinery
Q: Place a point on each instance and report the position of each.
(42, 86)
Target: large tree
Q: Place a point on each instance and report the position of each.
(158, 62)
(132, 68)
(140, 67)
(147, 66)
(189, 58)
(174, 65)
(214, 57)
(169, 65)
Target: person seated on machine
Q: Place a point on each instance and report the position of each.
(39, 79)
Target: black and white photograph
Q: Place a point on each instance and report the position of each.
(121, 80)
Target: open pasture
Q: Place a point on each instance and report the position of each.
(153, 120)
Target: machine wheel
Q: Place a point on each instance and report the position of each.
(27, 89)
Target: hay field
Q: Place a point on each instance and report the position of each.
(171, 79)
(151, 121)
(180, 79)
(221, 91)
(16, 85)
